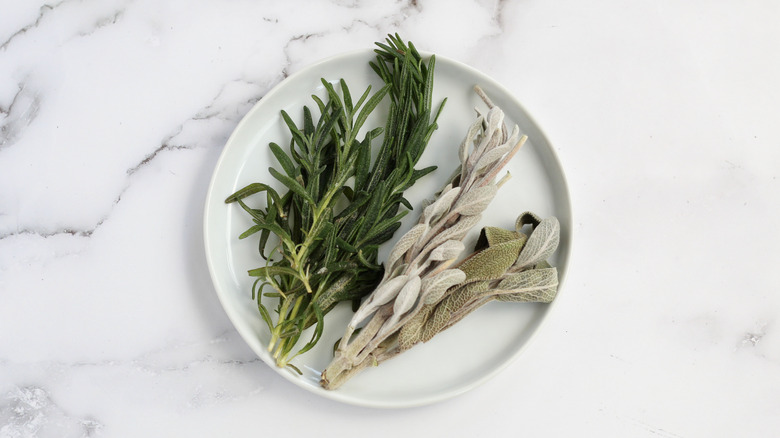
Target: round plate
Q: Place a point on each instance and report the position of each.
(454, 361)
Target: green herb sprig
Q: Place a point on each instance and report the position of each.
(339, 206)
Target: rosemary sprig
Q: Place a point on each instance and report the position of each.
(339, 206)
(421, 293)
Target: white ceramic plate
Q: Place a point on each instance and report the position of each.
(456, 360)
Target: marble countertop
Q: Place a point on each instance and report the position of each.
(664, 115)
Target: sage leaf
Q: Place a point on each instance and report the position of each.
(493, 261)
(532, 286)
(446, 251)
(476, 200)
(441, 205)
(382, 295)
(541, 243)
(433, 288)
(463, 151)
(404, 243)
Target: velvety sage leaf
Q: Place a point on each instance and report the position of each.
(542, 265)
(492, 262)
(527, 218)
(463, 151)
(406, 298)
(457, 231)
(448, 250)
(492, 156)
(385, 293)
(541, 243)
(441, 205)
(495, 235)
(404, 243)
(434, 287)
(476, 200)
(531, 286)
(487, 139)
(441, 315)
(410, 333)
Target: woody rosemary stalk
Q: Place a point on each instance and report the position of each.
(340, 205)
(418, 270)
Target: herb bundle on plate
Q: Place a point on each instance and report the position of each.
(339, 204)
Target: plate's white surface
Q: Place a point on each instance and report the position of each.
(456, 360)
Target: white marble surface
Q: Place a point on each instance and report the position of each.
(664, 114)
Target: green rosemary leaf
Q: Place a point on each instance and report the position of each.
(345, 246)
(319, 328)
(270, 271)
(251, 189)
(363, 98)
(383, 227)
(252, 230)
(292, 184)
(330, 268)
(419, 173)
(265, 315)
(298, 136)
(364, 260)
(283, 160)
(308, 122)
(372, 211)
(381, 236)
(320, 105)
(369, 107)
(348, 96)
(265, 234)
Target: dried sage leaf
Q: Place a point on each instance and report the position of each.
(434, 287)
(532, 286)
(493, 261)
(404, 243)
(541, 244)
(476, 201)
(448, 250)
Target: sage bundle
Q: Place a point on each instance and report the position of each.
(419, 270)
(506, 266)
